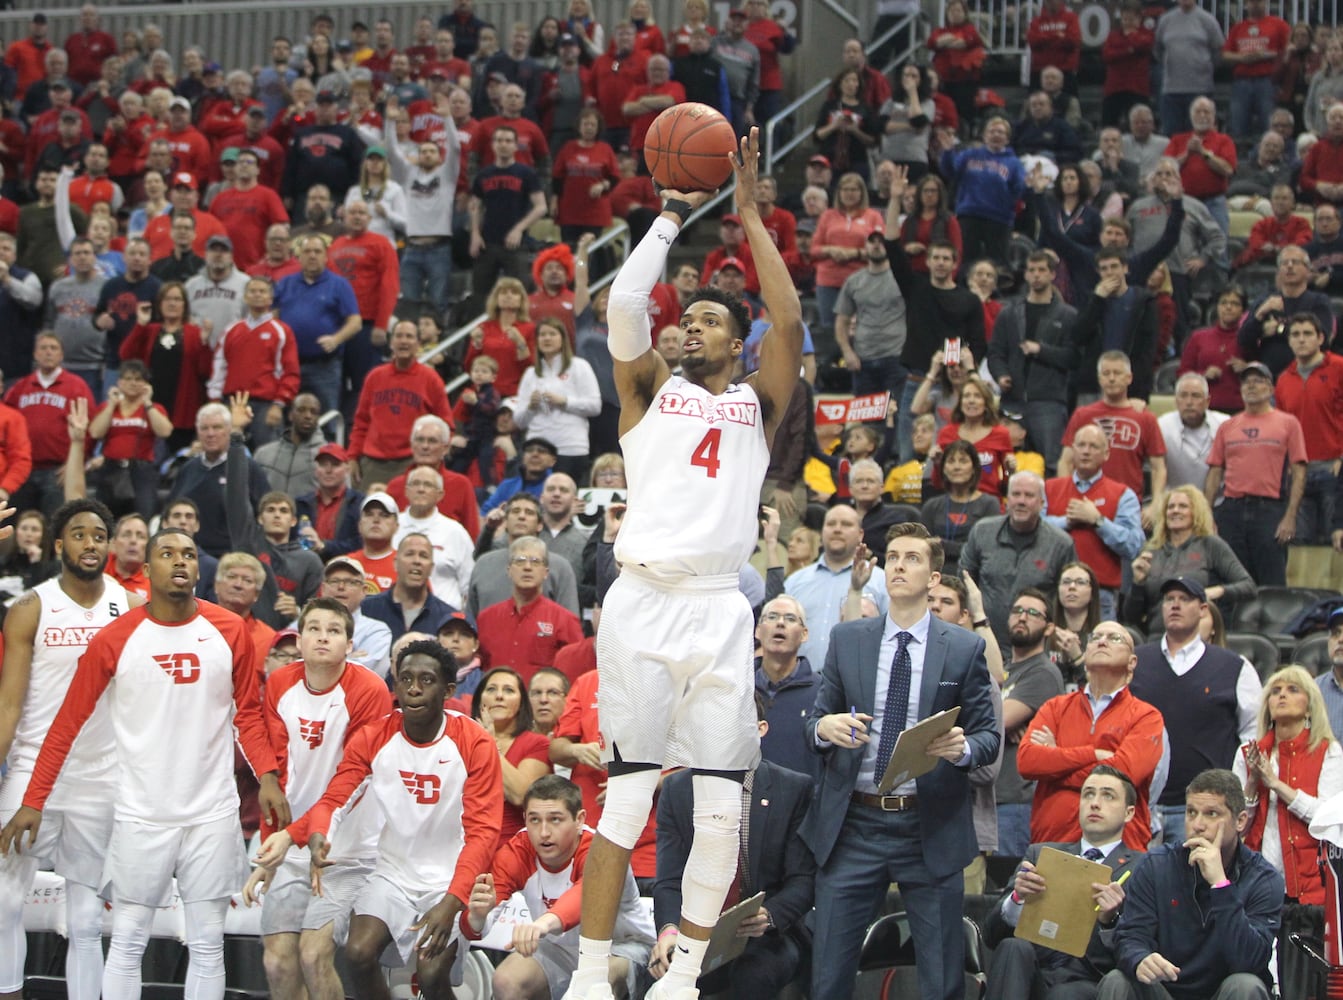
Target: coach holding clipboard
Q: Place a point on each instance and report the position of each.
(903, 666)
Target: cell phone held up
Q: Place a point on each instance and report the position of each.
(951, 351)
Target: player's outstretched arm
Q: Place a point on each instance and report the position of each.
(781, 348)
(640, 370)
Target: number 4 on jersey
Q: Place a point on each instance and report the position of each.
(706, 453)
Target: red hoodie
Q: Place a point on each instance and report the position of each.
(391, 400)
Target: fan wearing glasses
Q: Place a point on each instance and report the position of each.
(1072, 733)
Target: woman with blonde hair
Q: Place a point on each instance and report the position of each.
(804, 548)
(1184, 543)
(385, 198)
(508, 335)
(557, 396)
(839, 244)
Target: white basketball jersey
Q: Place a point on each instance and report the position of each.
(694, 464)
(64, 628)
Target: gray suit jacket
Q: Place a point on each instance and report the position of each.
(954, 673)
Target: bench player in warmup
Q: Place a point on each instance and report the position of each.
(46, 631)
(313, 707)
(180, 674)
(436, 778)
(674, 653)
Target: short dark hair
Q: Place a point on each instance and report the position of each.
(957, 586)
(1043, 257)
(564, 678)
(176, 502)
(1037, 594)
(761, 709)
(525, 498)
(1305, 318)
(944, 245)
(1219, 781)
(959, 446)
(81, 505)
(134, 366)
(1110, 771)
(736, 308)
(555, 788)
(328, 604)
(1111, 253)
(447, 663)
(914, 529)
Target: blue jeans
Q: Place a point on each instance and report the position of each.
(1174, 112)
(1217, 208)
(1251, 100)
(873, 850)
(1014, 828)
(1172, 824)
(426, 275)
(323, 377)
(1249, 525)
(879, 375)
(904, 419)
(1044, 422)
(1316, 513)
(93, 378)
(826, 297)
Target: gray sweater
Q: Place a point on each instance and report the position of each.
(1187, 47)
(1205, 558)
(71, 305)
(1200, 236)
(1002, 561)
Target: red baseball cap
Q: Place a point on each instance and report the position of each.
(731, 219)
(333, 451)
(184, 179)
(732, 262)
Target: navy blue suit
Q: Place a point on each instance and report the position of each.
(861, 849)
(777, 863)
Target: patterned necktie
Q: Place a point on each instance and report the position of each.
(897, 704)
(1092, 854)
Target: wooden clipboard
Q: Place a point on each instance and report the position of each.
(724, 943)
(910, 757)
(1064, 915)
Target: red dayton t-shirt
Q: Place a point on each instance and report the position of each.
(1134, 436)
(130, 436)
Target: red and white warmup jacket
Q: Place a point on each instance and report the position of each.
(258, 357)
(309, 731)
(176, 692)
(442, 802)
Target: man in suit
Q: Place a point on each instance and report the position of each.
(1022, 970)
(881, 676)
(774, 861)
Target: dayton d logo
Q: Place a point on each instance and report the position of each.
(425, 787)
(183, 668)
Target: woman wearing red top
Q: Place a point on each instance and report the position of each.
(975, 419)
(508, 336)
(932, 220)
(982, 279)
(696, 16)
(129, 424)
(958, 57)
(500, 705)
(176, 356)
(838, 244)
(1127, 54)
(647, 35)
(585, 171)
(1214, 353)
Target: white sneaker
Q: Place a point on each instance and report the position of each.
(660, 991)
(602, 992)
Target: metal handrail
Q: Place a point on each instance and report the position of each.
(618, 231)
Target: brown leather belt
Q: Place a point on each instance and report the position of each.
(427, 241)
(887, 803)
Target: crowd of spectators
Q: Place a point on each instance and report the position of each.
(197, 266)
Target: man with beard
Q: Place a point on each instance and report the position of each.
(1032, 679)
(46, 630)
(290, 459)
(179, 673)
(870, 323)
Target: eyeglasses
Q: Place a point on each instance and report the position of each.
(774, 616)
(284, 655)
(1028, 612)
(340, 582)
(1074, 581)
(1110, 638)
(528, 561)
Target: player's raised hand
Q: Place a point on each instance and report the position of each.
(239, 410)
(746, 165)
(257, 885)
(25, 820)
(436, 926)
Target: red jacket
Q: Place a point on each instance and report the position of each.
(641, 123)
(126, 148)
(1300, 768)
(270, 157)
(958, 65)
(1322, 162)
(259, 358)
(532, 146)
(16, 453)
(28, 59)
(1199, 179)
(87, 50)
(368, 262)
(389, 403)
(714, 260)
(616, 76)
(247, 215)
(86, 191)
(1317, 402)
(1268, 236)
(1055, 40)
(1130, 728)
(191, 151)
(159, 233)
(196, 361)
(1128, 61)
(223, 119)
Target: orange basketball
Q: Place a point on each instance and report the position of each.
(687, 146)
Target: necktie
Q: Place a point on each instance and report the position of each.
(897, 704)
(1092, 854)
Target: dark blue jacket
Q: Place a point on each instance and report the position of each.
(347, 524)
(786, 712)
(385, 609)
(987, 184)
(1208, 934)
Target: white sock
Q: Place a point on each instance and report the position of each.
(686, 963)
(594, 961)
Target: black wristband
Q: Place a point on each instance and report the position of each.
(982, 623)
(679, 207)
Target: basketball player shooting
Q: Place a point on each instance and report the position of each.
(674, 654)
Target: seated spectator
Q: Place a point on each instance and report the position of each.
(804, 547)
(429, 442)
(1044, 132)
(289, 459)
(343, 581)
(1326, 251)
(126, 562)
(785, 682)
(239, 577)
(1106, 805)
(1280, 229)
(199, 478)
(878, 515)
(407, 605)
(538, 459)
(1321, 171)
(1263, 334)
(1255, 177)
(1326, 87)
(544, 861)
(28, 558)
(1228, 952)
(547, 693)
(500, 705)
(526, 629)
(378, 520)
(452, 546)
(952, 515)
(1214, 352)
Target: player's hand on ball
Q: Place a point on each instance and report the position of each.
(694, 198)
(746, 166)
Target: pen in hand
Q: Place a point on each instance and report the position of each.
(853, 730)
(1122, 879)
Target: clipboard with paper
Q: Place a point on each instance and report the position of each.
(725, 944)
(1064, 915)
(910, 757)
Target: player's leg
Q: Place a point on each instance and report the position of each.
(205, 943)
(369, 937)
(16, 878)
(280, 956)
(435, 974)
(84, 958)
(519, 978)
(317, 954)
(131, 924)
(709, 871)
